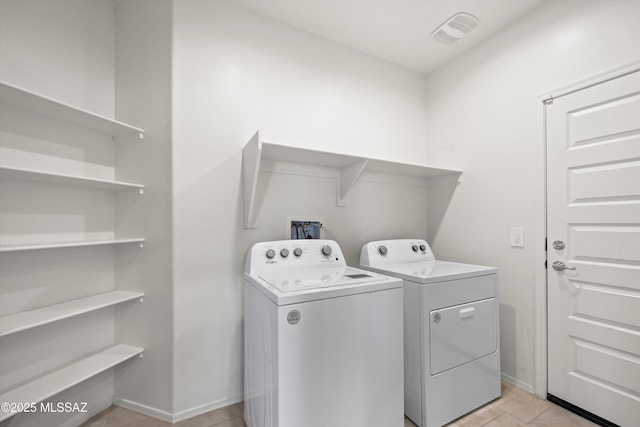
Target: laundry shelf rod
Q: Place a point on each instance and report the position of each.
(350, 169)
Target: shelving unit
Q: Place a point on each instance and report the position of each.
(49, 385)
(35, 175)
(350, 169)
(31, 106)
(25, 99)
(31, 246)
(41, 316)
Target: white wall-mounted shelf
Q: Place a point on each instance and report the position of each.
(14, 247)
(8, 172)
(19, 97)
(350, 169)
(41, 316)
(42, 114)
(49, 385)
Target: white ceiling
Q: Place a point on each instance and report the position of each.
(398, 31)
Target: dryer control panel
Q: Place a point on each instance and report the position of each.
(396, 251)
(289, 255)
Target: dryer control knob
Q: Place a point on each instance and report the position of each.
(423, 248)
(270, 253)
(297, 251)
(326, 250)
(382, 250)
(284, 252)
(415, 248)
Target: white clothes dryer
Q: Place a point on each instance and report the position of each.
(322, 341)
(451, 330)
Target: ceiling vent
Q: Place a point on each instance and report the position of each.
(455, 28)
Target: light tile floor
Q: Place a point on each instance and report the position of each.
(516, 408)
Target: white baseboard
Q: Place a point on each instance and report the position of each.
(178, 416)
(199, 410)
(144, 409)
(516, 382)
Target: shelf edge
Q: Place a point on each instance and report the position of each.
(70, 244)
(116, 297)
(59, 381)
(39, 175)
(18, 96)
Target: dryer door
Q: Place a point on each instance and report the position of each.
(462, 333)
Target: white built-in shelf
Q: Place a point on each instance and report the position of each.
(19, 97)
(350, 169)
(41, 316)
(35, 107)
(30, 246)
(51, 384)
(64, 179)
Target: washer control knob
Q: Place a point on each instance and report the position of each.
(297, 251)
(326, 250)
(382, 250)
(270, 253)
(423, 248)
(414, 248)
(284, 252)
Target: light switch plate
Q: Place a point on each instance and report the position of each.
(517, 237)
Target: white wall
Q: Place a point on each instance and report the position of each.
(235, 72)
(484, 117)
(143, 97)
(63, 49)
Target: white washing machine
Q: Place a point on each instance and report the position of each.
(451, 330)
(322, 341)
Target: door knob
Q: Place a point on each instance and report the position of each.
(559, 266)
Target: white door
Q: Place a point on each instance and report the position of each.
(593, 202)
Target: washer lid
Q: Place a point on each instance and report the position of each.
(292, 281)
(433, 271)
(293, 287)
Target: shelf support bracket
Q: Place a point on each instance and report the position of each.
(251, 156)
(453, 178)
(347, 179)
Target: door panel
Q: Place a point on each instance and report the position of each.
(613, 180)
(608, 150)
(613, 243)
(593, 205)
(602, 120)
(608, 334)
(611, 365)
(607, 302)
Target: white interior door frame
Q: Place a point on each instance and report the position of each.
(540, 224)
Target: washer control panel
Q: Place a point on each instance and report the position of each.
(286, 255)
(395, 251)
